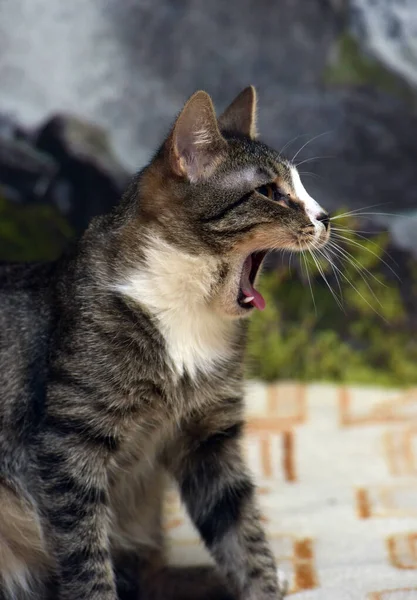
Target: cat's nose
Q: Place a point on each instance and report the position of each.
(324, 218)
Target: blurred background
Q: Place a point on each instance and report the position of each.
(88, 89)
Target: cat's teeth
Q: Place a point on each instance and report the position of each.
(249, 299)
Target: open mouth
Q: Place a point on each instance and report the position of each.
(248, 296)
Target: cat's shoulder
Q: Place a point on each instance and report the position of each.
(25, 276)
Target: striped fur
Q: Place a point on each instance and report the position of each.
(121, 366)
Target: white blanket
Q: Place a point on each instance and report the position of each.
(337, 475)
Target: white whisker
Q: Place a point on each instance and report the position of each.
(309, 282)
(366, 239)
(311, 174)
(307, 160)
(333, 293)
(309, 142)
(297, 137)
(356, 210)
(357, 231)
(358, 292)
(348, 240)
(365, 214)
(355, 264)
(289, 260)
(330, 261)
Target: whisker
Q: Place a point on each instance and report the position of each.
(289, 260)
(350, 259)
(354, 211)
(356, 231)
(333, 293)
(312, 174)
(371, 252)
(297, 137)
(366, 239)
(316, 137)
(330, 261)
(309, 282)
(357, 215)
(361, 295)
(307, 160)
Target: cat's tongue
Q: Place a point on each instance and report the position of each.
(247, 288)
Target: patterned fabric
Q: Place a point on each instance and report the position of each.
(337, 474)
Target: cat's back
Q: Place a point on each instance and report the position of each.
(25, 291)
(25, 323)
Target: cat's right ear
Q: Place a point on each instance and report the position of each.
(240, 116)
(195, 145)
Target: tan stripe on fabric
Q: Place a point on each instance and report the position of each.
(288, 458)
(305, 577)
(362, 504)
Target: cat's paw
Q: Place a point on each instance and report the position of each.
(258, 591)
(283, 584)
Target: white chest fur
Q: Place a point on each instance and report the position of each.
(175, 287)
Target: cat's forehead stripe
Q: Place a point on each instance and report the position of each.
(283, 178)
(311, 206)
(244, 177)
(251, 176)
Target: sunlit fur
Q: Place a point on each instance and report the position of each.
(176, 288)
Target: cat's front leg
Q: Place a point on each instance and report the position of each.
(72, 497)
(220, 498)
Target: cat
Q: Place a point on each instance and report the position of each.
(121, 369)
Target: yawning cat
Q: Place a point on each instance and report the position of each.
(121, 366)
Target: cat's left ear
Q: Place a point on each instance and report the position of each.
(240, 116)
(196, 145)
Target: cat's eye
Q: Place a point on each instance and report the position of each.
(265, 190)
(272, 192)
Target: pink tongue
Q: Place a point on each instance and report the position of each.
(248, 289)
(258, 299)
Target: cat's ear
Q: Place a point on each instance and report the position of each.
(240, 116)
(195, 144)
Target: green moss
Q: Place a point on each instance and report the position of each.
(352, 67)
(31, 232)
(371, 342)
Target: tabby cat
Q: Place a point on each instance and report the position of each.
(121, 366)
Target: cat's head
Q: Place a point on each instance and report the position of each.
(215, 194)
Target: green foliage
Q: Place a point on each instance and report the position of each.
(29, 233)
(368, 342)
(351, 66)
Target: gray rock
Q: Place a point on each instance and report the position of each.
(89, 180)
(25, 172)
(128, 65)
(66, 162)
(388, 30)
